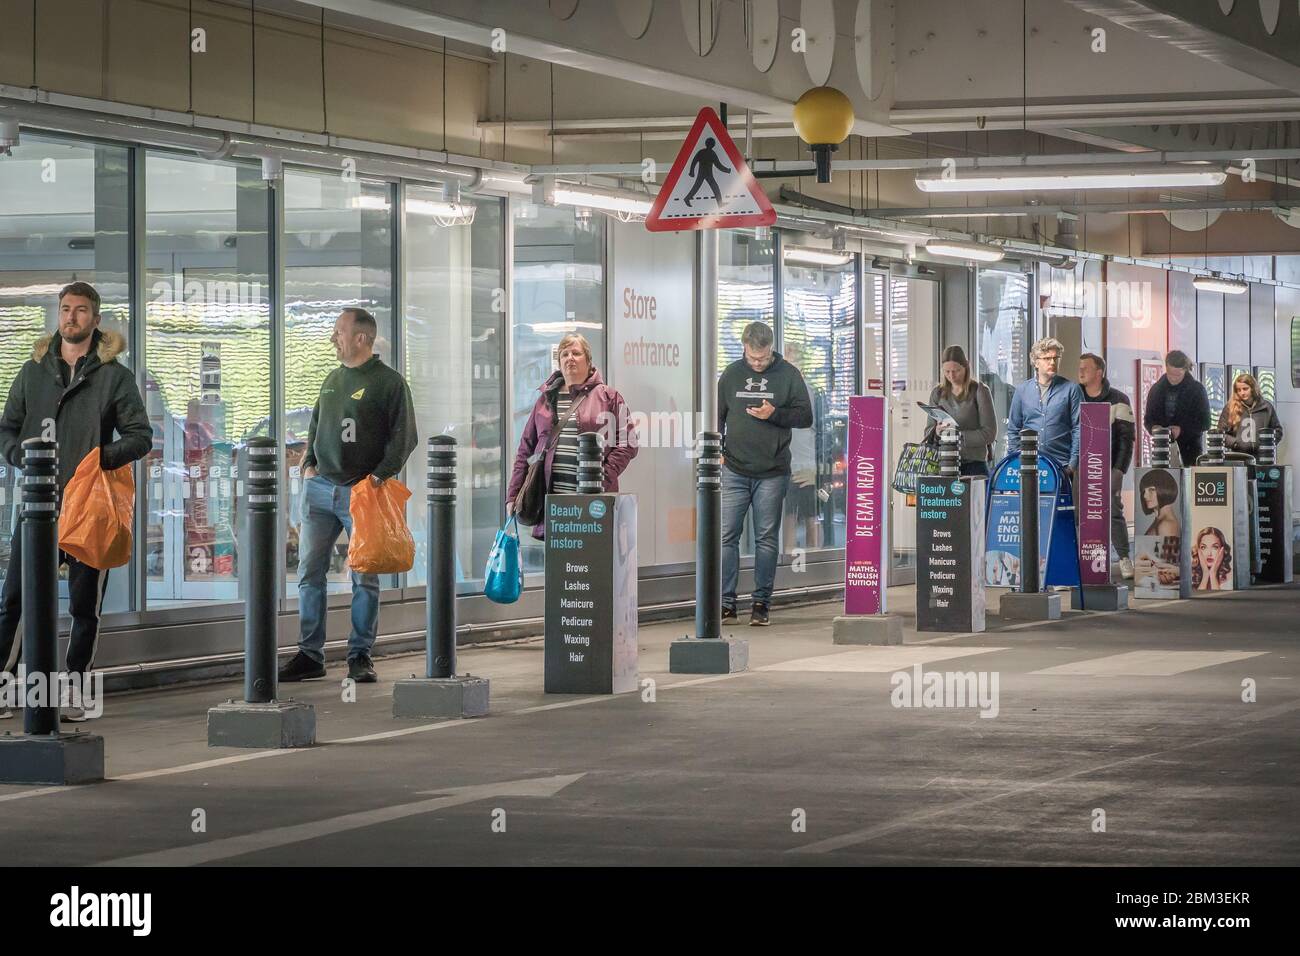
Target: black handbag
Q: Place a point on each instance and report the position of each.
(530, 502)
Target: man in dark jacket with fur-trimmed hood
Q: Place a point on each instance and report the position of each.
(74, 383)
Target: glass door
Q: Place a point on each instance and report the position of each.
(913, 370)
(1004, 336)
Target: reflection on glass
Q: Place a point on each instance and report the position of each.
(745, 289)
(454, 327)
(338, 254)
(746, 293)
(208, 349)
(64, 216)
(873, 335)
(559, 287)
(1002, 305)
(818, 336)
(913, 372)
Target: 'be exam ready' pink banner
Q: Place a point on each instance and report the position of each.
(865, 547)
(1094, 492)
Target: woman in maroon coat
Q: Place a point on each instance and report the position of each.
(602, 410)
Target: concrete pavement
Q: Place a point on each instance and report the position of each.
(805, 759)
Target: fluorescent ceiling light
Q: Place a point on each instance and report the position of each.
(447, 213)
(1046, 178)
(609, 200)
(1220, 284)
(959, 249)
(816, 257)
(973, 212)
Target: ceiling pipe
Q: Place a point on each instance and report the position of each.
(215, 145)
(1155, 157)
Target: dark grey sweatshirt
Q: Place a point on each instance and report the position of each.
(754, 447)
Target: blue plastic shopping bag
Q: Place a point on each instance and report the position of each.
(503, 581)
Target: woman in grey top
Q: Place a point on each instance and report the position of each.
(970, 403)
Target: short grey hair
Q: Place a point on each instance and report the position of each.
(1048, 344)
(576, 338)
(757, 335)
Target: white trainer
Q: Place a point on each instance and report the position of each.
(1126, 568)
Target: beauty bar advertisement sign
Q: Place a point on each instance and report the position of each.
(1220, 529)
(865, 550)
(1094, 492)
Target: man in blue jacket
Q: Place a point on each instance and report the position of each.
(1049, 404)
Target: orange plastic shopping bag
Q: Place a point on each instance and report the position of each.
(381, 542)
(98, 509)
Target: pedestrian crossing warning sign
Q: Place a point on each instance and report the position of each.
(709, 186)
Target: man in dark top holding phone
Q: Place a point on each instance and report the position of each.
(760, 398)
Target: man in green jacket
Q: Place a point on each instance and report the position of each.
(362, 429)
(74, 388)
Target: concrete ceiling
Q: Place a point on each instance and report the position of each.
(1053, 76)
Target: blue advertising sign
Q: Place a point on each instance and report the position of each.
(1058, 550)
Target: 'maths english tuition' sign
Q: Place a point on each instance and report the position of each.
(865, 547)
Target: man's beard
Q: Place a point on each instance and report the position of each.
(73, 339)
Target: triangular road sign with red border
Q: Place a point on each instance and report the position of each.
(709, 186)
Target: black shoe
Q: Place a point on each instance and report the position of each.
(728, 614)
(300, 667)
(361, 670)
(758, 615)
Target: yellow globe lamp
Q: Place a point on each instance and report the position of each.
(823, 118)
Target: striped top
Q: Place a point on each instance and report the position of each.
(564, 469)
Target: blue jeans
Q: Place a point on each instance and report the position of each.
(324, 515)
(765, 496)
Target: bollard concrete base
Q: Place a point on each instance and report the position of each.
(280, 725)
(1035, 606)
(440, 697)
(696, 655)
(1100, 597)
(57, 759)
(867, 629)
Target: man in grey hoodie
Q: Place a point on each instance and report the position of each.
(760, 398)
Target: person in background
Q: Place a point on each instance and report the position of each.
(74, 380)
(1246, 416)
(1123, 431)
(970, 403)
(1049, 404)
(761, 397)
(362, 429)
(600, 409)
(1178, 402)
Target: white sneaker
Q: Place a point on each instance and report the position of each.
(1126, 568)
(6, 713)
(72, 715)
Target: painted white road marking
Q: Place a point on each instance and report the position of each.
(364, 738)
(283, 836)
(879, 659)
(1145, 664)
